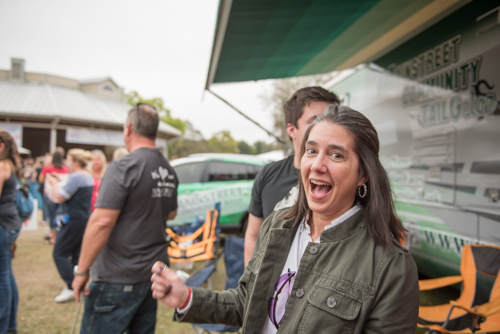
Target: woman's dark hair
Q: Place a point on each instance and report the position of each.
(57, 159)
(380, 219)
(10, 152)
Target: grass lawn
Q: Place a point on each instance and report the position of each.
(39, 282)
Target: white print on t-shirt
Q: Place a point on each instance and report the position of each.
(289, 199)
(162, 173)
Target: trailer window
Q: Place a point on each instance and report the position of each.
(486, 167)
(189, 173)
(230, 171)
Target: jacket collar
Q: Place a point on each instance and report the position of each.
(336, 233)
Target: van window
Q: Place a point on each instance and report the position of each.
(486, 167)
(190, 172)
(230, 171)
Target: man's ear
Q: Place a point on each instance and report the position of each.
(127, 129)
(291, 130)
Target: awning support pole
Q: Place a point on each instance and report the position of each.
(53, 135)
(248, 118)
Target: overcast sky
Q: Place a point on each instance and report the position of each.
(159, 48)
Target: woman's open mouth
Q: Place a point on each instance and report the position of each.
(319, 189)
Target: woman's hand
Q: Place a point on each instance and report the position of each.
(167, 286)
(51, 178)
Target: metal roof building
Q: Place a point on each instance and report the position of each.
(43, 111)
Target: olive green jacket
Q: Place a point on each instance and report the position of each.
(345, 284)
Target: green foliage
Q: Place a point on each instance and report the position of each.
(263, 147)
(245, 148)
(176, 123)
(190, 142)
(185, 147)
(133, 98)
(222, 142)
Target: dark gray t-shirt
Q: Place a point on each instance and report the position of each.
(271, 185)
(143, 186)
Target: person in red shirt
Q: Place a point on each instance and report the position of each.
(61, 173)
(97, 168)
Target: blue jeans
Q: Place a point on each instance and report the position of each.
(115, 308)
(8, 288)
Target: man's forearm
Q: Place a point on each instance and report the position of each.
(171, 215)
(96, 235)
(249, 247)
(251, 234)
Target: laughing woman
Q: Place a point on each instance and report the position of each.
(330, 264)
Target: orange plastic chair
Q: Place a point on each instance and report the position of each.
(477, 310)
(189, 248)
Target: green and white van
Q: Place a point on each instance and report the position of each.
(207, 179)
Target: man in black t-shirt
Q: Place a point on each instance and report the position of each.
(276, 180)
(126, 234)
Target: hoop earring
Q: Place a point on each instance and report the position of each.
(365, 192)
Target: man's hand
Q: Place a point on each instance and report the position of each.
(78, 285)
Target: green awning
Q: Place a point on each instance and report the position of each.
(263, 39)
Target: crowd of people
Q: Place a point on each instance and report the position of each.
(68, 186)
(322, 250)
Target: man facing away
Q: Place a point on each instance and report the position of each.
(126, 234)
(276, 180)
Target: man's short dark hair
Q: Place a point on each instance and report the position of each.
(294, 107)
(147, 123)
